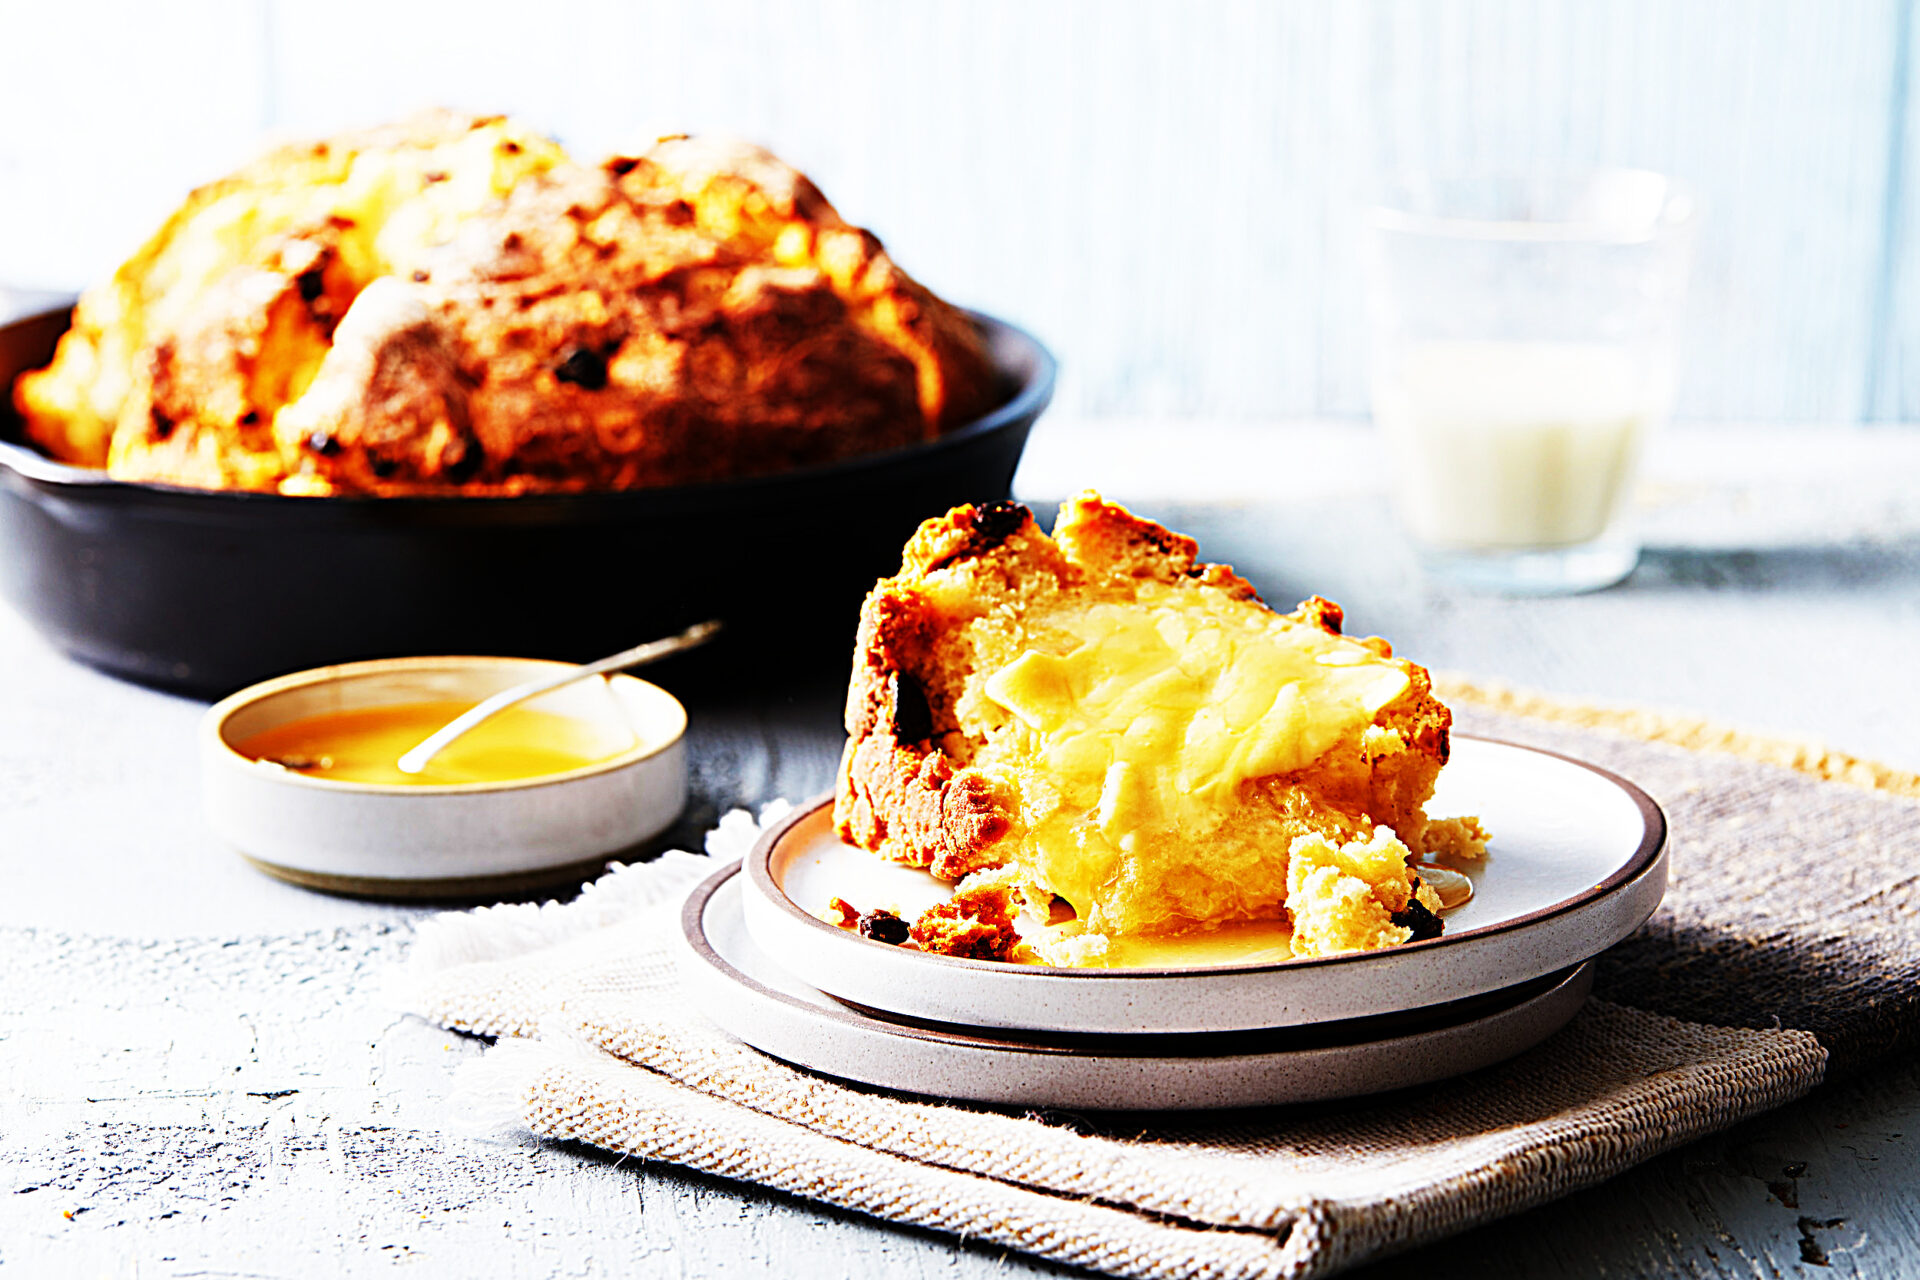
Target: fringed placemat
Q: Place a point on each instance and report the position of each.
(1788, 949)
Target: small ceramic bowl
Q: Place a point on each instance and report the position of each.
(451, 841)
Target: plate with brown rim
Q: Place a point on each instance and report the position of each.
(1577, 862)
(738, 987)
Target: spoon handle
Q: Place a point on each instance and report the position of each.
(416, 759)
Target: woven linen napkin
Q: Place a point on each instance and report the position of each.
(1787, 950)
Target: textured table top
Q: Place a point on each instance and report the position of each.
(199, 1074)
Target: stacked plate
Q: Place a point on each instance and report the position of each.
(1578, 861)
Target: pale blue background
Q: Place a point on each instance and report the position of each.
(1162, 191)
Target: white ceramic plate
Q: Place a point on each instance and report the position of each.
(1578, 862)
(761, 1003)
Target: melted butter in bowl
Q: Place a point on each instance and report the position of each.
(301, 775)
(365, 745)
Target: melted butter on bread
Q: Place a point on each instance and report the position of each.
(1137, 728)
(1205, 691)
(1100, 731)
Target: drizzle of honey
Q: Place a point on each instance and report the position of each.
(365, 745)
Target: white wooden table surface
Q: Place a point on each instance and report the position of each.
(199, 1076)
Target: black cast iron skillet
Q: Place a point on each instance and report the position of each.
(206, 591)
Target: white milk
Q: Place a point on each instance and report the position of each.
(1505, 445)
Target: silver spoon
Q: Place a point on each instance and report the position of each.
(416, 759)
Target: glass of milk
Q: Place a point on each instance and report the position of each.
(1523, 332)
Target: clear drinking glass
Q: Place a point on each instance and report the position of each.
(1523, 345)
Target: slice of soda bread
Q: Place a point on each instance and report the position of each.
(1100, 718)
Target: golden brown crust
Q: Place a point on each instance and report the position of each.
(294, 203)
(608, 340)
(912, 804)
(905, 789)
(192, 417)
(898, 792)
(1106, 539)
(696, 313)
